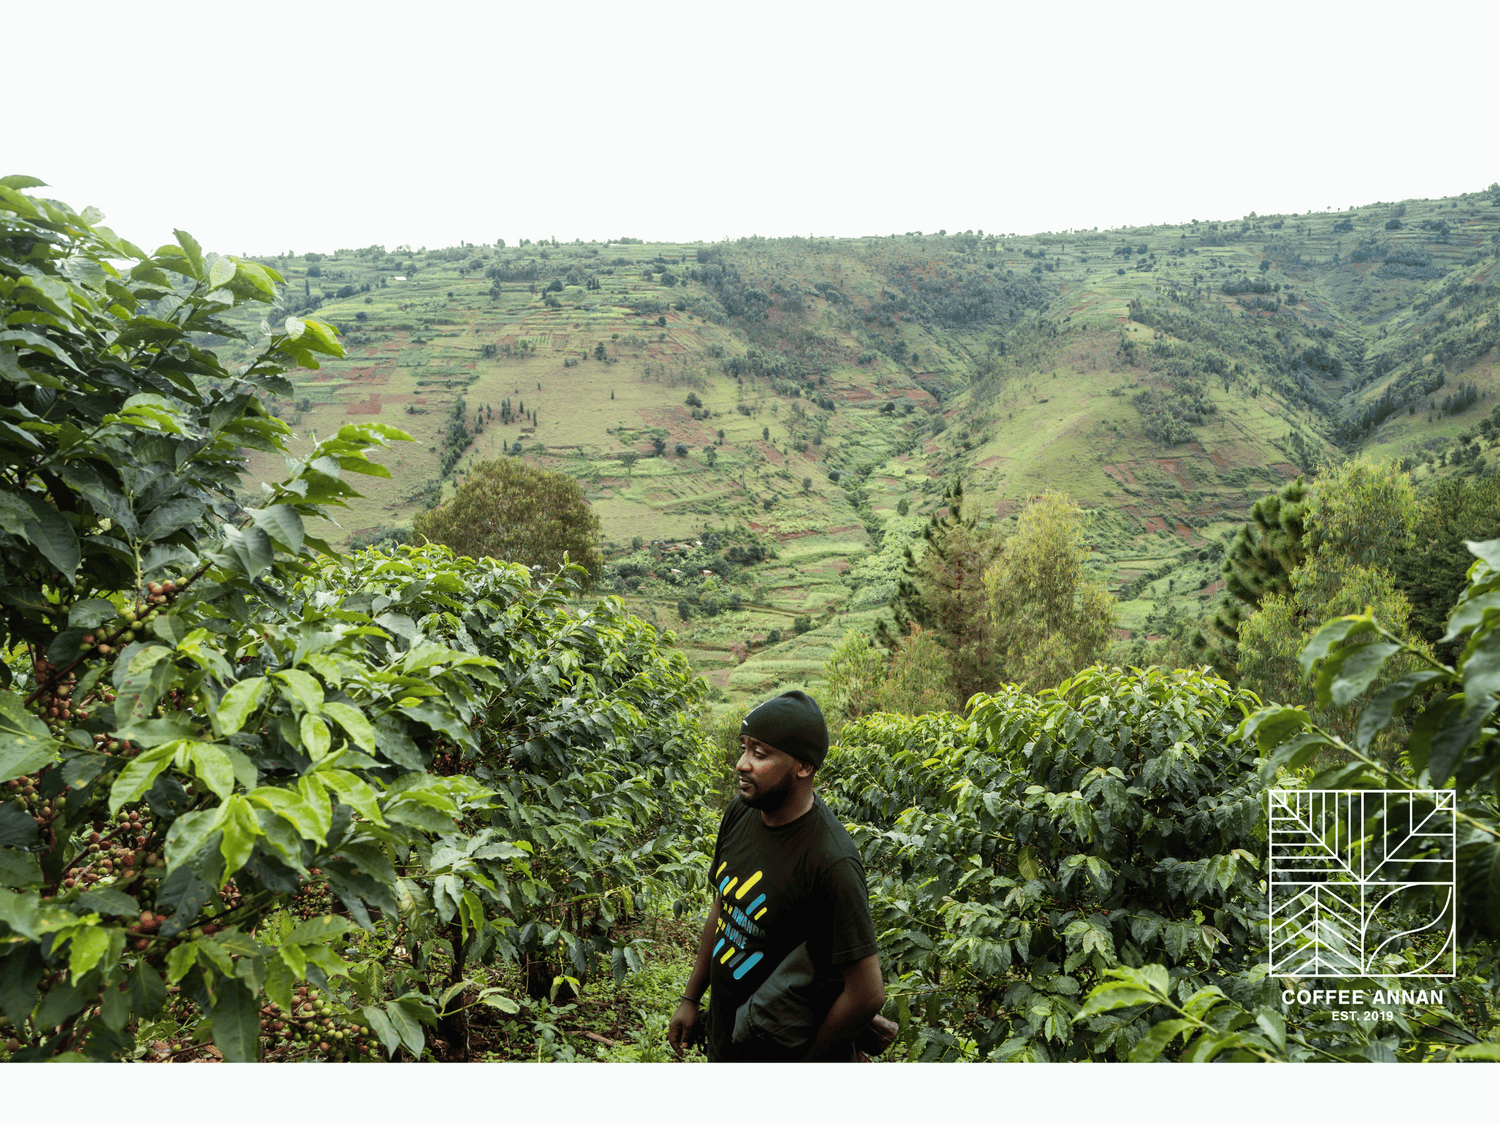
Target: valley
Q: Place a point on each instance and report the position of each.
(764, 425)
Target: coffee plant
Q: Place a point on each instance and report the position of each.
(242, 776)
(1452, 744)
(1080, 875)
(1016, 857)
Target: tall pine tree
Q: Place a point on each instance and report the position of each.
(1259, 562)
(1432, 572)
(943, 591)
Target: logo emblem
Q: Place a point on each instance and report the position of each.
(1340, 862)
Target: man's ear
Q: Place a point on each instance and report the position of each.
(805, 769)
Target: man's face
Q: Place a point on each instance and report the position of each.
(766, 775)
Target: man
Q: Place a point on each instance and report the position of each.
(788, 952)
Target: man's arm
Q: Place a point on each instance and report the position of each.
(863, 996)
(685, 1028)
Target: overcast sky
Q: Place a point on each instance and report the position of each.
(276, 126)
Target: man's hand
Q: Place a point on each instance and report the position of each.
(686, 1028)
(862, 998)
(687, 1024)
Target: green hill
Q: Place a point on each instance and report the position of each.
(785, 398)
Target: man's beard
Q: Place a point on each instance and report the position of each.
(769, 800)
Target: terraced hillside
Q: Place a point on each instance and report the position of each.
(763, 425)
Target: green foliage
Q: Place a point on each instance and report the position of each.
(507, 509)
(863, 679)
(943, 591)
(1259, 562)
(121, 436)
(1016, 609)
(1432, 572)
(1452, 744)
(1272, 638)
(876, 575)
(1206, 1024)
(1046, 618)
(217, 724)
(1358, 520)
(855, 675)
(1362, 514)
(1017, 857)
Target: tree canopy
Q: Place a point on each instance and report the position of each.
(1432, 572)
(943, 590)
(1259, 562)
(1047, 620)
(1005, 609)
(507, 509)
(1358, 521)
(862, 679)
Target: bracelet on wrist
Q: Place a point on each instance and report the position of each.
(690, 1000)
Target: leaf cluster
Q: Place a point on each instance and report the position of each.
(507, 509)
(218, 714)
(1017, 856)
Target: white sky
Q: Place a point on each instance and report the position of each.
(277, 126)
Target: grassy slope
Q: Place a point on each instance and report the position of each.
(1016, 401)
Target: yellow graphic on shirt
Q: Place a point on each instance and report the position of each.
(738, 925)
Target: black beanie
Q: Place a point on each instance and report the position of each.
(793, 724)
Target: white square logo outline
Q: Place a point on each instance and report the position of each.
(1325, 883)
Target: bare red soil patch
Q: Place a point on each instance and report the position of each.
(787, 536)
(1174, 468)
(920, 396)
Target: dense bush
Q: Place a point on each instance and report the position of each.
(1016, 856)
(214, 726)
(1453, 744)
(1079, 874)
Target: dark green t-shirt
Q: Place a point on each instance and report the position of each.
(779, 888)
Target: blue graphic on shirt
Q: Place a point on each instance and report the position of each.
(739, 925)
